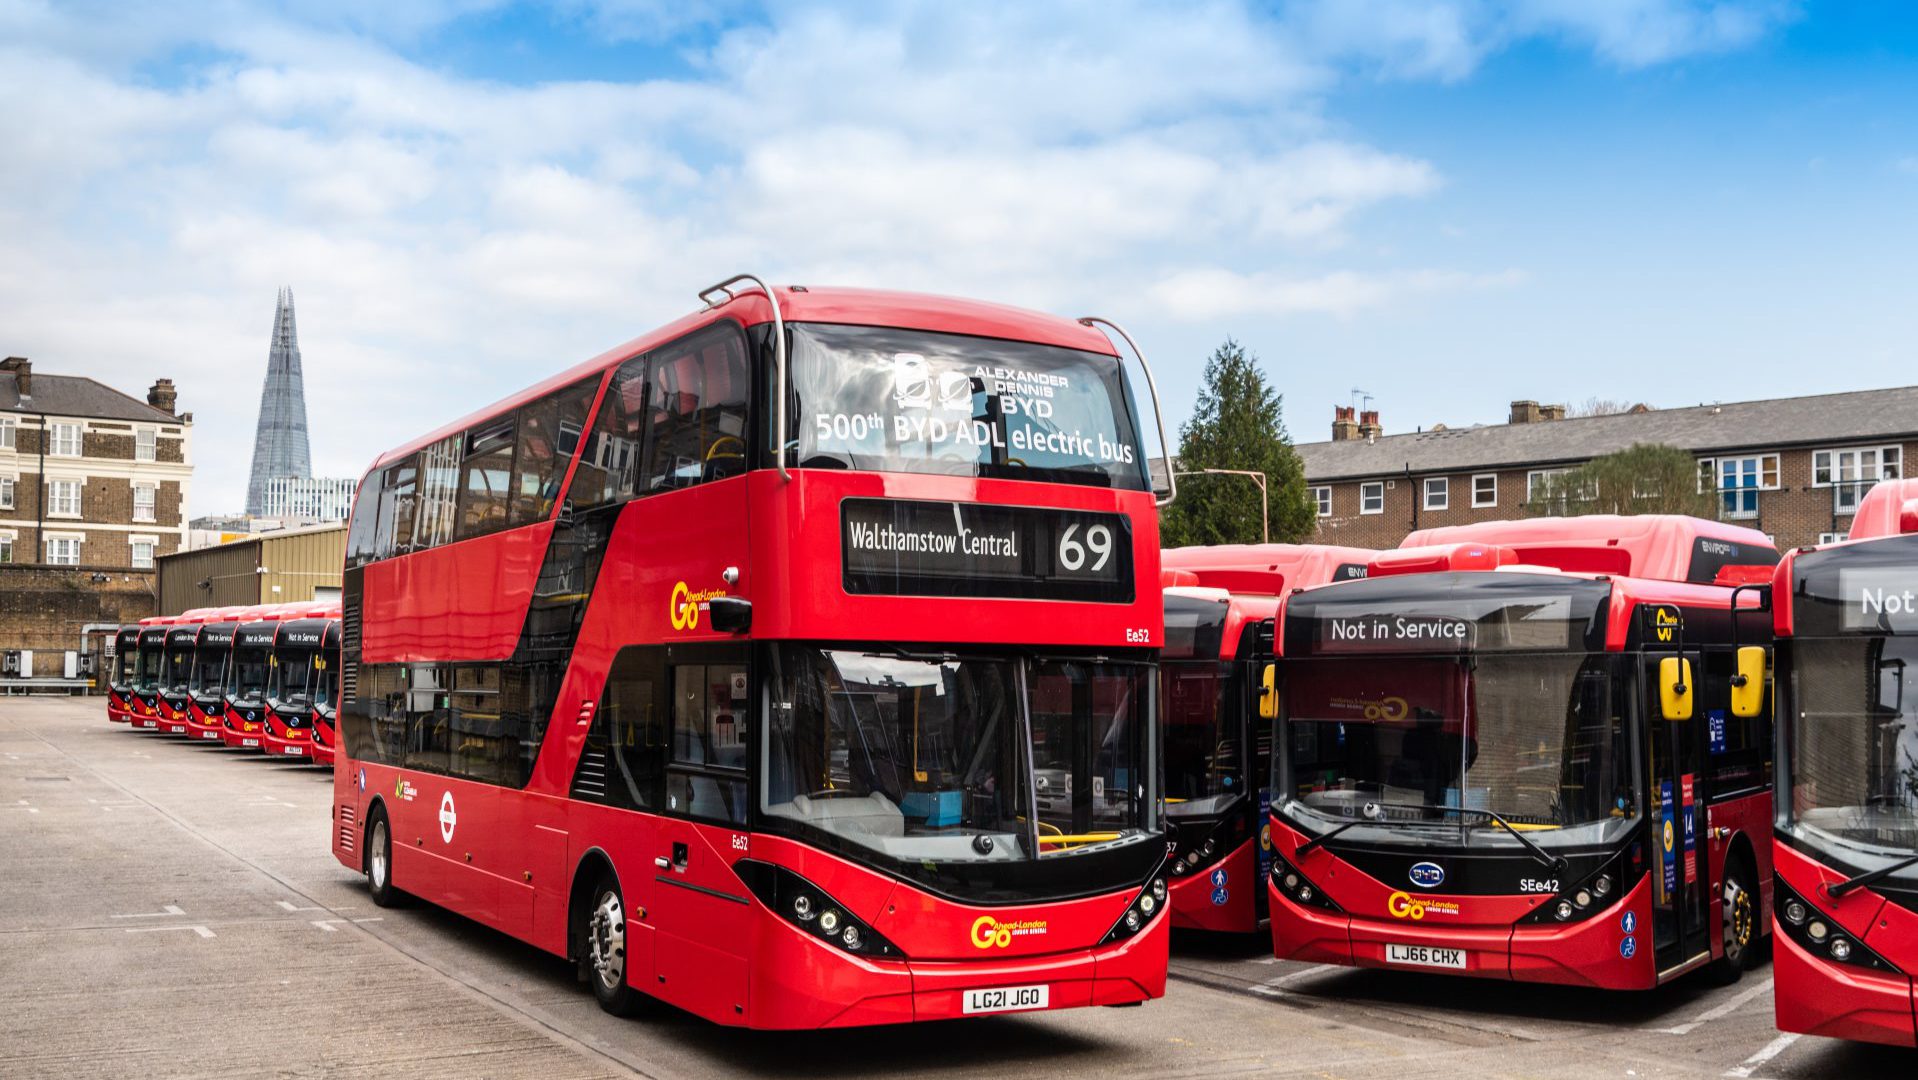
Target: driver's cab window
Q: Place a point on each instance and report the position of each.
(696, 396)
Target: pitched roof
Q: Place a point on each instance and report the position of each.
(74, 395)
(1821, 419)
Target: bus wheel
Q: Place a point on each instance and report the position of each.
(605, 951)
(1739, 906)
(379, 862)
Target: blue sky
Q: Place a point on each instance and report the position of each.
(1448, 204)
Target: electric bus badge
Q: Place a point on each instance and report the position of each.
(1427, 875)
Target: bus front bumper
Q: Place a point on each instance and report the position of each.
(1219, 897)
(804, 984)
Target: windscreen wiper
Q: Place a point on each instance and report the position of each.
(1871, 878)
(1326, 836)
(1555, 863)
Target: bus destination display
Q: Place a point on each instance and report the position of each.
(908, 548)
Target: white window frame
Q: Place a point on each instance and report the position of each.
(1829, 468)
(76, 539)
(54, 501)
(152, 544)
(7, 541)
(1532, 481)
(9, 433)
(1477, 503)
(152, 500)
(54, 431)
(1711, 471)
(1377, 489)
(7, 492)
(1832, 538)
(1322, 498)
(1439, 485)
(146, 444)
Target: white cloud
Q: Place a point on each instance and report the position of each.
(451, 238)
(1211, 292)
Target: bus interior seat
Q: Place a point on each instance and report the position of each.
(873, 814)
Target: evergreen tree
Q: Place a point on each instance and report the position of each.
(1645, 478)
(1238, 423)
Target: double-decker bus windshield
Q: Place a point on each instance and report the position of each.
(893, 400)
(928, 759)
(325, 680)
(1539, 738)
(1854, 744)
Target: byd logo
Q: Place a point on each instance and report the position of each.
(1427, 875)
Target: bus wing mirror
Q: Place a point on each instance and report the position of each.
(1269, 692)
(1675, 688)
(1748, 684)
(730, 614)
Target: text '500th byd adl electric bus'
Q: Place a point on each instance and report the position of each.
(1536, 750)
(1220, 605)
(792, 664)
(1847, 820)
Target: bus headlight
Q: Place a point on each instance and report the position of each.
(1795, 912)
(1602, 886)
(810, 909)
(1564, 911)
(1133, 920)
(1583, 898)
(1818, 931)
(1840, 950)
(1147, 903)
(1158, 889)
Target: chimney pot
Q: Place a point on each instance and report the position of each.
(1345, 427)
(1526, 412)
(162, 396)
(1369, 424)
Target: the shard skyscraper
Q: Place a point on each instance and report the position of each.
(279, 445)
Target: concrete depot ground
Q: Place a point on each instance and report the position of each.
(169, 909)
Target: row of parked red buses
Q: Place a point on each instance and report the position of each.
(263, 678)
(812, 661)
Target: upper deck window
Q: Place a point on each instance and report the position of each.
(895, 400)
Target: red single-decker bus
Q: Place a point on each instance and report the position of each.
(1847, 817)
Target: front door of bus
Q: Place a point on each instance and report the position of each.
(1678, 863)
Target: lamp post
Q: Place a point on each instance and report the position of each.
(1265, 501)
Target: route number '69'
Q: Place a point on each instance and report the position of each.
(1072, 553)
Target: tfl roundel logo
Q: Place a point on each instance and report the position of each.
(1427, 875)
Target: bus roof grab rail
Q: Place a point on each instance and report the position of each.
(724, 288)
(1158, 414)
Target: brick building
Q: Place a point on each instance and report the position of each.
(93, 489)
(1794, 468)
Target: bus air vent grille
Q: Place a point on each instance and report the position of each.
(589, 781)
(347, 820)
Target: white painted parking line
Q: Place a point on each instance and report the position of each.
(1772, 1049)
(1718, 1013)
(160, 914)
(290, 907)
(200, 930)
(332, 926)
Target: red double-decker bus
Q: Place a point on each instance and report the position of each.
(792, 664)
(1534, 750)
(293, 691)
(1220, 606)
(124, 678)
(1847, 819)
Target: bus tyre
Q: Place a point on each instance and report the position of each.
(604, 951)
(1738, 904)
(379, 862)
